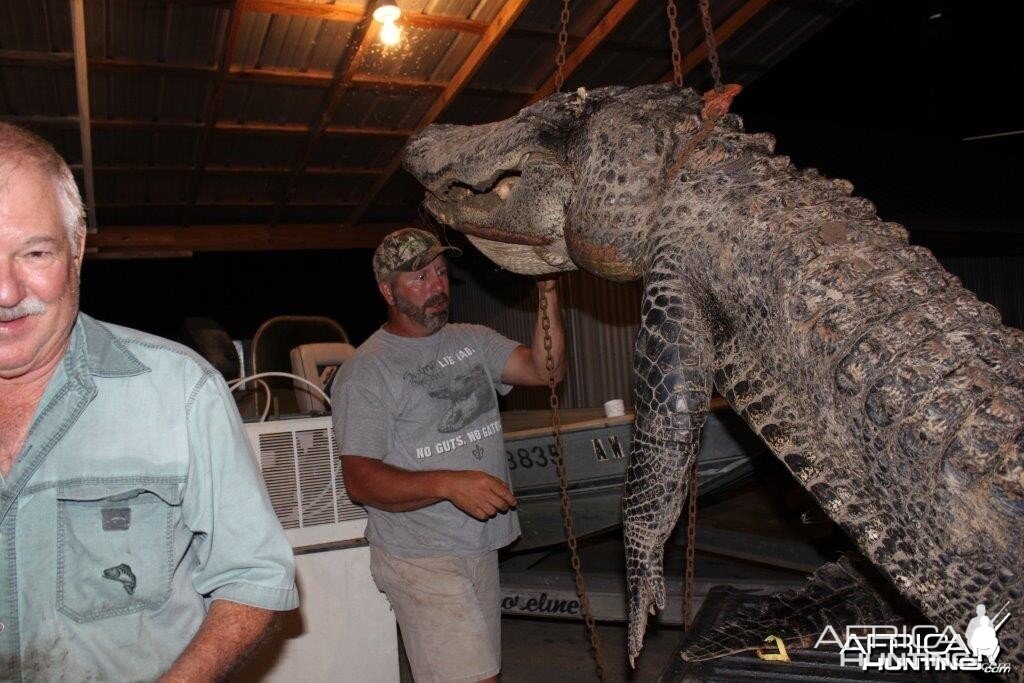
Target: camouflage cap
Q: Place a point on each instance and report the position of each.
(407, 250)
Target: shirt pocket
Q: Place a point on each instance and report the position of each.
(115, 548)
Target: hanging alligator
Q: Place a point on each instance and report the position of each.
(890, 392)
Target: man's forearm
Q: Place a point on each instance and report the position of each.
(547, 290)
(385, 487)
(382, 486)
(230, 632)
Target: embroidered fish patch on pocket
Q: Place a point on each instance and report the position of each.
(122, 573)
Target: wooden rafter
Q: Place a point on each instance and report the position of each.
(354, 13)
(241, 237)
(359, 40)
(287, 129)
(188, 126)
(722, 34)
(82, 92)
(326, 78)
(264, 75)
(502, 22)
(135, 169)
(213, 107)
(619, 11)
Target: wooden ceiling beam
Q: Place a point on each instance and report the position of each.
(300, 129)
(502, 22)
(235, 204)
(393, 82)
(354, 13)
(611, 20)
(133, 169)
(96, 254)
(241, 237)
(234, 21)
(728, 27)
(54, 60)
(82, 92)
(273, 76)
(188, 126)
(63, 60)
(487, 91)
(264, 75)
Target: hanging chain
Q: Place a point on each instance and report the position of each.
(709, 38)
(716, 101)
(563, 487)
(716, 105)
(691, 548)
(673, 37)
(563, 40)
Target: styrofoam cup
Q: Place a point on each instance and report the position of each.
(614, 408)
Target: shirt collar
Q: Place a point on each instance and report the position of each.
(94, 348)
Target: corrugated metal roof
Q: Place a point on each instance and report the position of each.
(41, 25)
(392, 108)
(262, 103)
(29, 90)
(275, 41)
(239, 149)
(152, 31)
(287, 113)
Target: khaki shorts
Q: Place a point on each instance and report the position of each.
(447, 608)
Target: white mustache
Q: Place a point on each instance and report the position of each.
(32, 305)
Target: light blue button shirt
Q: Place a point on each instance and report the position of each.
(134, 502)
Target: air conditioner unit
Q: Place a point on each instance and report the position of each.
(344, 629)
(300, 466)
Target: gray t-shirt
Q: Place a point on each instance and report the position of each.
(428, 403)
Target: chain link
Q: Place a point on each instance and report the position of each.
(673, 37)
(709, 38)
(691, 548)
(563, 40)
(563, 487)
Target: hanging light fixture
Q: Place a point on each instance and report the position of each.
(387, 13)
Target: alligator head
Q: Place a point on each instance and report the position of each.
(525, 191)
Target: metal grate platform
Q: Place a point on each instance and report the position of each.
(806, 665)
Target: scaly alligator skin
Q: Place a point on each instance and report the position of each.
(889, 391)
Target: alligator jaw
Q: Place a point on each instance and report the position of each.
(514, 215)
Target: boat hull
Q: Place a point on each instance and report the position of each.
(596, 457)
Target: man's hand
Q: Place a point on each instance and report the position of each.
(547, 283)
(527, 366)
(478, 494)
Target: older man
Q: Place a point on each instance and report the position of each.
(136, 537)
(417, 424)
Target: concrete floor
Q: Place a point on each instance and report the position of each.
(542, 650)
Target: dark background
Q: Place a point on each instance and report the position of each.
(883, 96)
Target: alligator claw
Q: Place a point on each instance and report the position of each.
(646, 584)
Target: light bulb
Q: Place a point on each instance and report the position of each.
(390, 34)
(387, 13)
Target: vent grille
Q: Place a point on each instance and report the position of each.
(303, 476)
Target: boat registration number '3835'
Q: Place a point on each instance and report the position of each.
(527, 457)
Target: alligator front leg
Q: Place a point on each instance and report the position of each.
(671, 393)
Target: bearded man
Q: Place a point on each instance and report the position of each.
(137, 539)
(416, 419)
